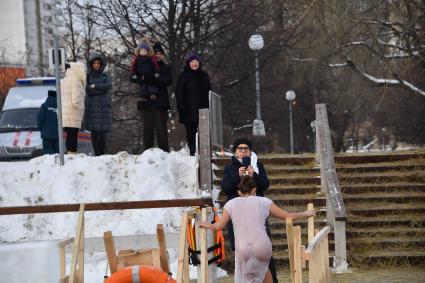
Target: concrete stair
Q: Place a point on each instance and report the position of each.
(384, 196)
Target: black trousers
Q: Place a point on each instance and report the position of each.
(191, 130)
(98, 141)
(272, 266)
(71, 139)
(155, 123)
(50, 146)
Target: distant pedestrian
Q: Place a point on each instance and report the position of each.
(73, 91)
(98, 103)
(144, 65)
(192, 89)
(155, 112)
(47, 122)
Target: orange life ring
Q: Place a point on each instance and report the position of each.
(140, 273)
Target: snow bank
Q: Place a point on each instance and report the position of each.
(122, 177)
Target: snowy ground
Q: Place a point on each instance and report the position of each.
(121, 177)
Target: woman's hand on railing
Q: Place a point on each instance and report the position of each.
(310, 212)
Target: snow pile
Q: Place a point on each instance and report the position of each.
(122, 177)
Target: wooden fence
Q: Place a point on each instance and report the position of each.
(316, 253)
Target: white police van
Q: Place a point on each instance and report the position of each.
(19, 136)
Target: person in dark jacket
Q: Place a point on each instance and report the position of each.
(98, 103)
(192, 89)
(155, 112)
(233, 174)
(47, 122)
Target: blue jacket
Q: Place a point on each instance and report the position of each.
(98, 103)
(231, 179)
(47, 119)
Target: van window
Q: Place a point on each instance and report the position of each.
(18, 119)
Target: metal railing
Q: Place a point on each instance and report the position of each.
(335, 208)
(216, 121)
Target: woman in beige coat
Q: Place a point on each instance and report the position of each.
(73, 92)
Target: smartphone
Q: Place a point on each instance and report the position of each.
(246, 161)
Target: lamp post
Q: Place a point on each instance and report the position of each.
(290, 96)
(313, 128)
(256, 43)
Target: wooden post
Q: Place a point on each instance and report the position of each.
(290, 239)
(62, 261)
(73, 275)
(204, 251)
(80, 274)
(297, 255)
(310, 228)
(111, 252)
(162, 248)
(183, 253)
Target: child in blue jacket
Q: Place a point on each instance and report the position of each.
(47, 122)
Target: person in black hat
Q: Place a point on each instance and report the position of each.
(245, 163)
(155, 112)
(47, 122)
(192, 90)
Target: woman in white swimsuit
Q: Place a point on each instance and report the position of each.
(253, 247)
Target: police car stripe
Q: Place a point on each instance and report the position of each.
(16, 139)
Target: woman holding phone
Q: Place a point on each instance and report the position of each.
(245, 163)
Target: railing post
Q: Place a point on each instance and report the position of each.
(205, 169)
(340, 263)
(335, 208)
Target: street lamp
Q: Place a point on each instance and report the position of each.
(290, 96)
(313, 125)
(256, 43)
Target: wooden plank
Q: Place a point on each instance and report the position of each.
(297, 255)
(111, 252)
(162, 247)
(149, 257)
(80, 273)
(182, 249)
(73, 276)
(62, 263)
(65, 242)
(310, 224)
(204, 249)
(106, 206)
(326, 258)
(290, 237)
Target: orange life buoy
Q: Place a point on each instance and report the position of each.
(140, 273)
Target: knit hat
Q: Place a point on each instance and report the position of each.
(51, 92)
(193, 56)
(144, 46)
(158, 48)
(239, 141)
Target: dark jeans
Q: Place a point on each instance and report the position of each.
(71, 139)
(50, 146)
(155, 123)
(191, 130)
(98, 140)
(272, 266)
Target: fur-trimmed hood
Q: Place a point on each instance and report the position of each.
(97, 56)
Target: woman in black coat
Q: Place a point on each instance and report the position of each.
(98, 103)
(193, 86)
